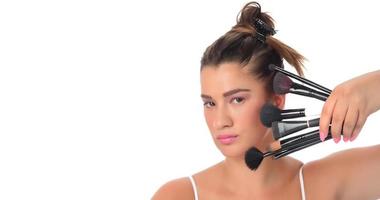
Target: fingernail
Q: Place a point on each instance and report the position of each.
(322, 136)
(345, 139)
(352, 138)
(336, 139)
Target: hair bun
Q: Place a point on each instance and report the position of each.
(252, 18)
(263, 30)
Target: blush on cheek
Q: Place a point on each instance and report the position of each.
(249, 122)
(251, 115)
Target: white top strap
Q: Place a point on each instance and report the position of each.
(194, 187)
(302, 186)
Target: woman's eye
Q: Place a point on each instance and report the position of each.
(208, 104)
(237, 100)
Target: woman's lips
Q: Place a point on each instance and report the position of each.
(227, 138)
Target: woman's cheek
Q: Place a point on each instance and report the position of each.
(252, 112)
(209, 119)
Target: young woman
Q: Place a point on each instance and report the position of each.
(235, 84)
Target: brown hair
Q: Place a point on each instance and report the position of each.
(241, 44)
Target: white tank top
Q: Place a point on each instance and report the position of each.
(194, 188)
(301, 184)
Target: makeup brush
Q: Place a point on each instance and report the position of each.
(303, 80)
(253, 157)
(282, 84)
(278, 144)
(270, 113)
(283, 128)
(299, 146)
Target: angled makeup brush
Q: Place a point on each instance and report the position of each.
(254, 157)
(283, 128)
(282, 84)
(270, 113)
(303, 80)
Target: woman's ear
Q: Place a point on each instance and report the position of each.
(279, 101)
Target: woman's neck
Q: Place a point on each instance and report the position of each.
(270, 174)
(267, 175)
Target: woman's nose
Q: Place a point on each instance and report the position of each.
(222, 119)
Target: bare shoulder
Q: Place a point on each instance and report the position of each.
(180, 188)
(331, 173)
(347, 158)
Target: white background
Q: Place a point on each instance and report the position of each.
(101, 99)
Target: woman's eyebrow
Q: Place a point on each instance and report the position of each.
(234, 91)
(228, 93)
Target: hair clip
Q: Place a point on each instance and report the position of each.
(263, 30)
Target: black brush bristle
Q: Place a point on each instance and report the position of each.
(270, 113)
(253, 158)
(283, 128)
(281, 83)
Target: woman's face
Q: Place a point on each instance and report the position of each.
(232, 102)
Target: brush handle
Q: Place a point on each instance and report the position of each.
(309, 143)
(311, 90)
(304, 80)
(286, 143)
(309, 94)
(319, 95)
(303, 140)
(297, 110)
(314, 122)
(315, 93)
(298, 137)
(293, 115)
(287, 152)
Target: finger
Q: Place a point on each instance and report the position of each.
(350, 122)
(326, 116)
(359, 125)
(339, 114)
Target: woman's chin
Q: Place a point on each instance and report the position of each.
(232, 151)
(236, 149)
